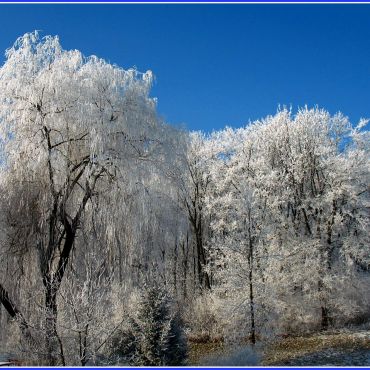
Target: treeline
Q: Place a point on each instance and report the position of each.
(122, 235)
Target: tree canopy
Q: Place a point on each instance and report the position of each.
(250, 232)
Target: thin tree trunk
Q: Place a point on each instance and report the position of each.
(175, 267)
(251, 303)
(185, 263)
(324, 318)
(251, 294)
(201, 260)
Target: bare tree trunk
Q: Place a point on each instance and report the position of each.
(195, 265)
(185, 264)
(52, 283)
(203, 277)
(175, 258)
(326, 263)
(325, 318)
(54, 347)
(14, 312)
(251, 303)
(196, 221)
(251, 292)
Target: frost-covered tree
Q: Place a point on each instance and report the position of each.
(267, 224)
(74, 131)
(290, 197)
(308, 178)
(194, 186)
(238, 224)
(153, 335)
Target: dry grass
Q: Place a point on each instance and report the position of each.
(293, 347)
(286, 349)
(200, 350)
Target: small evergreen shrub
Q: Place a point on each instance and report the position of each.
(153, 335)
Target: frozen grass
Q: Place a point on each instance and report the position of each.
(320, 349)
(200, 350)
(341, 348)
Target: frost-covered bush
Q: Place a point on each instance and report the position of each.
(152, 335)
(203, 319)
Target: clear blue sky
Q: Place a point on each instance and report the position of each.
(218, 65)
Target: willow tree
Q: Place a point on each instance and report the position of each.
(72, 128)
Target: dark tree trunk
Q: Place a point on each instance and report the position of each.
(251, 302)
(175, 258)
(14, 312)
(324, 318)
(185, 263)
(196, 221)
(251, 294)
(51, 334)
(201, 261)
(52, 282)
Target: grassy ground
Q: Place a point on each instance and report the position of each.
(200, 351)
(345, 348)
(287, 350)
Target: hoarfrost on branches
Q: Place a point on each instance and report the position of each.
(267, 224)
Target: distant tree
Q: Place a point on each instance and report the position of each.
(237, 227)
(290, 197)
(194, 184)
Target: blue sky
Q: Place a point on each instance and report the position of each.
(218, 65)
